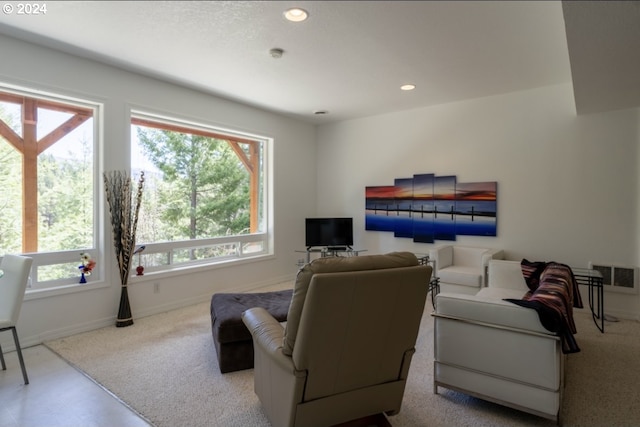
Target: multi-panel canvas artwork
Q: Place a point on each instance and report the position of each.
(427, 207)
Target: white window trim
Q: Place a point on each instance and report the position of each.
(266, 237)
(65, 286)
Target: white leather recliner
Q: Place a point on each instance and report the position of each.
(348, 343)
(496, 350)
(462, 269)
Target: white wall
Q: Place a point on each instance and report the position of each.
(294, 181)
(567, 185)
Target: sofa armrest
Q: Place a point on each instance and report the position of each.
(492, 254)
(279, 386)
(268, 334)
(442, 255)
(486, 257)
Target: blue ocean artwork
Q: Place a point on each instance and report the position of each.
(428, 208)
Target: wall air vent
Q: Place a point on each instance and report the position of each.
(617, 278)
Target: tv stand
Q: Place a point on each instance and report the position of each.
(328, 251)
(338, 248)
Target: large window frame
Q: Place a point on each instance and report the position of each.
(258, 243)
(242, 248)
(29, 145)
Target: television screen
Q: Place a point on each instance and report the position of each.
(329, 232)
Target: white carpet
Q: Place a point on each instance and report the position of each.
(165, 368)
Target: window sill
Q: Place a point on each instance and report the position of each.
(34, 294)
(196, 268)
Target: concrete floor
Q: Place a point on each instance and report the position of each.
(57, 395)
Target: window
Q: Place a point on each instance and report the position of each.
(48, 175)
(204, 199)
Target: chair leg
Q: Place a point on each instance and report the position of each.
(24, 370)
(4, 366)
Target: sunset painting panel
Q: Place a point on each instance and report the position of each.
(403, 224)
(380, 211)
(444, 198)
(476, 208)
(423, 208)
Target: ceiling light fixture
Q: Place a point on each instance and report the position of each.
(276, 52)
(296, 14)
(408, 87)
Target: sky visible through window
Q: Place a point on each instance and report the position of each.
(66, 148)
(48, 120)
(138, 159)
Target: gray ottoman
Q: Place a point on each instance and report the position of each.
(234, 345)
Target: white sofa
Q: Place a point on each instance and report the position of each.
(462, 269)
(496, 350)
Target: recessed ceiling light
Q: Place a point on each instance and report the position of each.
(408, 87)
(296, 14)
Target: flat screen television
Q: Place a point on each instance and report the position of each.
(329, 232)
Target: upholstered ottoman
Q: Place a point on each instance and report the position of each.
(231, 337)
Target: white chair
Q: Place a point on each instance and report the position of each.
(462, 269)
(13, 284)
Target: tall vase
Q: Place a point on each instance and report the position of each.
(124, 312)
(124, 220)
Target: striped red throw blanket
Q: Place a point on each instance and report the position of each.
(554, 297)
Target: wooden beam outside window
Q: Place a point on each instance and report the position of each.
(250, 162)
(30, 147)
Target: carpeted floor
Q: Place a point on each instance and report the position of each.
(164, 367)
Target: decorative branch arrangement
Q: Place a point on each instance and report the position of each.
(124, 208)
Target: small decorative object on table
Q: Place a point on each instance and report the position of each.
(139, 268)
(86, 267)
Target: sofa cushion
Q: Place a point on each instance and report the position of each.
(506, 274)
(334, 265)
(461, 275)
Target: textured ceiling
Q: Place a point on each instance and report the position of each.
(349, 58)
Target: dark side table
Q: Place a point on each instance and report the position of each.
(434, 282)
(593, 279)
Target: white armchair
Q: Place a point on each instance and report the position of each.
(462, 269)
(496, 350)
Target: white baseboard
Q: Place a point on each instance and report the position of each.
(30, 341)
